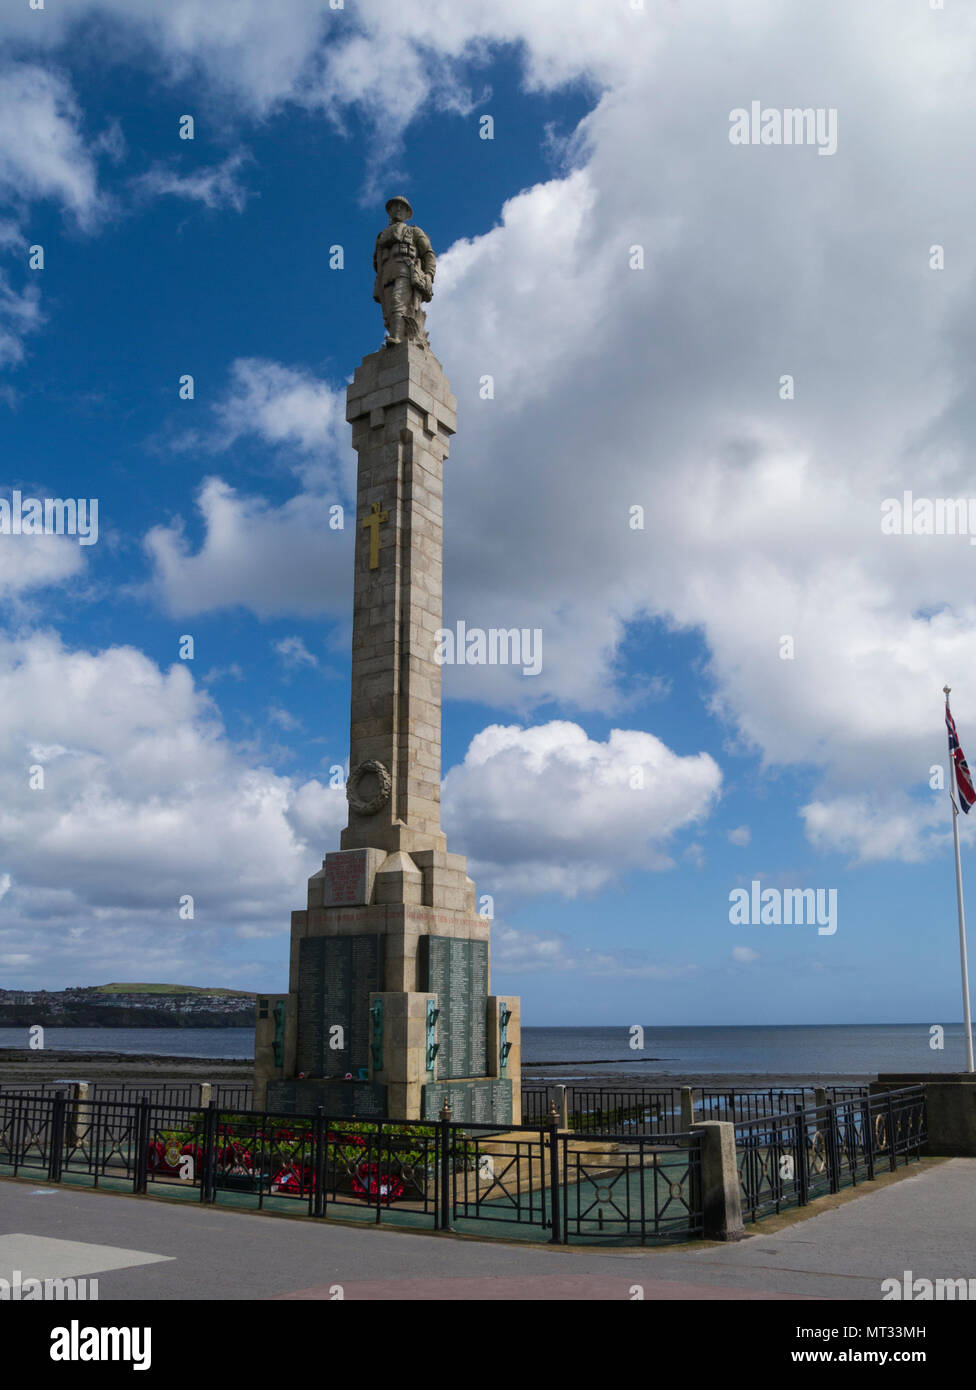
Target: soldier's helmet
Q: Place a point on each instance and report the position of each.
(400, 199)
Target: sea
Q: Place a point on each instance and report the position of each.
(801, 1049)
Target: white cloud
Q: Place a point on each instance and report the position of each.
(20, 314)
(285, 406)
(216, 186)
(546, 809)
(294, 652)
(741, 835)
(283, 718)
(745, 955)
(522, 953)
(270, 559)
(871, 829)
(291, 559)
(144, 800)
(42, 151)
(35, 562)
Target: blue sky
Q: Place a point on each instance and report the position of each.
(614, 387)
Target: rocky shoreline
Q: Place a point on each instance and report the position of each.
(31, 1068)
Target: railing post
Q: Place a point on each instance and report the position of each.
(16, 1113)
(56, 1137)
(444, 1213)
(891, 1132)
(867, 1136)
(208, 1175)
(318, 1163)
(379, 1171)
(801, 1171)
(141, 1163)
(832, 1146)
(554, 1187)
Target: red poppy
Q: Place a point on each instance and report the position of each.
(349, 1140)
(289, 1182)
(369, 1179)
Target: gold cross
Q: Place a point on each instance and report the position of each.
(374, 521)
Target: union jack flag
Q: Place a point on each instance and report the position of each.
(964, 781)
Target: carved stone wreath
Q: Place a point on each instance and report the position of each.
(368, 806)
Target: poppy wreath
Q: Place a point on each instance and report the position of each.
(157, 1160)
(289, 1182)
(348, 1141)
(367, 1179)
(235, 1158)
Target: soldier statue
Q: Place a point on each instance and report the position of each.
(405, 263)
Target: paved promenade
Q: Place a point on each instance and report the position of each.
(144, 1249)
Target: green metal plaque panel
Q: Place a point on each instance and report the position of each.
(339, 1099)
(457, 972)
(336, 975)
(486, 1102)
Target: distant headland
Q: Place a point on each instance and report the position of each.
(127, 1006)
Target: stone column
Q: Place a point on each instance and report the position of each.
(403, 415)
(721, 1201)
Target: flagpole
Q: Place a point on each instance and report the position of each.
(967, 1020)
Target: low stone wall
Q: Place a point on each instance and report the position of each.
(950, 1108)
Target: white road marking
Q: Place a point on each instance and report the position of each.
(41, 1257)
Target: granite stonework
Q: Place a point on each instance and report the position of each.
(388, 998)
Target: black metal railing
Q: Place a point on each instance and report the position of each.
(733, 1105)
(789, 1159)
(471, 1178)
(608, 1110)
(631, 1189)
(657, 1110)
(231, 1095)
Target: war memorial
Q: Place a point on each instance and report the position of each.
(389, 1010)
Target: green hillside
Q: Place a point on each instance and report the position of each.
(169, 989)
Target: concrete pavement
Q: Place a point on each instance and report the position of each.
(150, 1250)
